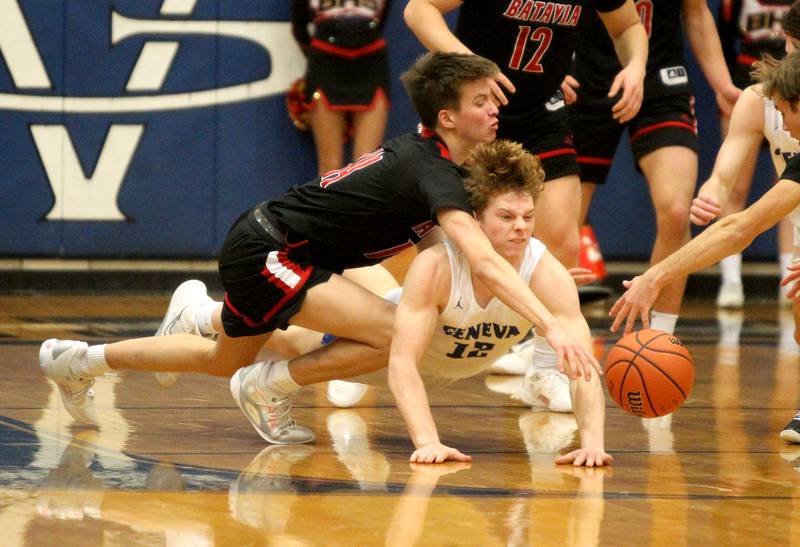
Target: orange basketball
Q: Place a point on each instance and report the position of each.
(649, 373)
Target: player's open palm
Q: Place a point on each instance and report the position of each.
(634, 303)
(438, 453)
(573, 359)
(586, 457)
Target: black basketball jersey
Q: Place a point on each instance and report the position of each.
(380, 204)
(596, 63)
(532, 42)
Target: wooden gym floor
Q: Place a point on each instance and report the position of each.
(182, 466)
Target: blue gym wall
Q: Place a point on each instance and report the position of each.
(142, 128)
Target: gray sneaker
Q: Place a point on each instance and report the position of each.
(180, 319)
(55, 359)
(267, 409)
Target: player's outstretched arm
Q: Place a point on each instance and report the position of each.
(631, 43)
(727, 236)
(425, 18)
(427, 284)
(745, 133)
(505, 283)
(701, 31)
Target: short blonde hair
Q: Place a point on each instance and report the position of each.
(780, 78)
(498, 167)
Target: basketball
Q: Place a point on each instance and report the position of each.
(649, 373)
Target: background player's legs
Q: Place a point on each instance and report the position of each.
(557, 210)
(369, 126)
(328, 127)
(671, 174)
(587, 191)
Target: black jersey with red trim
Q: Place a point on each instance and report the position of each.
(380, 204)
(532, 42)
(792, 171)
(596, 63)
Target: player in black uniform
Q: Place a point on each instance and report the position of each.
(533, 42)
(749, 29)
(280, 263)
(663, 135)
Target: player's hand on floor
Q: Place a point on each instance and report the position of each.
(631, 81)
(568, 87)
(438, 453)
(497, 84)
(586, 457)
(634, 303)
(705, 207)
(582, 276)
(573, 359)
(792, 277)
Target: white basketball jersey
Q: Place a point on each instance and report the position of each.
(469, 338)
(782, 147)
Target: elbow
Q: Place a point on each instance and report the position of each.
(739, 230)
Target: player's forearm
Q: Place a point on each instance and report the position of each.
(704, 41)
(727, 236)
(428, 25)
(631, 46)
(590, 411)
(409, 394)
(505, 283)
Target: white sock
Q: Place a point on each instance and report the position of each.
(95, 364)
(730, 328)
(786, 261)
(276, 376)
(204, 315)
(663, 321)
(731, 268)
(544, 356)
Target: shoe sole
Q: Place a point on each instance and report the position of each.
(168, 379)
(236, 386)
(790, 436)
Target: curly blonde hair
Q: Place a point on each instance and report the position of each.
(780, 78)
(498, 167)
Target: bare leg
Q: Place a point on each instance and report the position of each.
(328, 127)
(671, 173)
(557, 211)
(587, 191)
(369, 126)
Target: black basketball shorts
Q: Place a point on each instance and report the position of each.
(661, 122)
(265, 279)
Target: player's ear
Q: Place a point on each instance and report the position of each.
(446, 119)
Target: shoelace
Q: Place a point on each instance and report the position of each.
(279, 413)
(67, 389)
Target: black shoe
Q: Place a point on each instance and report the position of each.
(791, 433)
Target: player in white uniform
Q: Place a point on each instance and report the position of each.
(771, 110)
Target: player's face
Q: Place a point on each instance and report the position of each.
(507, 221)
(475, 120)
(791, 116)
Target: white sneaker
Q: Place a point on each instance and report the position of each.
(504, 384)
(180, 319)
(730, 295)
(345, 394)
(55, 359)
(515, 361)
(268, 409)
(546, 388)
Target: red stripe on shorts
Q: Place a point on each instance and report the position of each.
(654, 127)
(556, 152)
(594, 161)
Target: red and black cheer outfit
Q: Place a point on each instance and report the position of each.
(348, 66)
